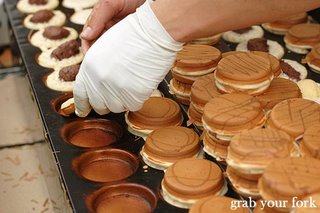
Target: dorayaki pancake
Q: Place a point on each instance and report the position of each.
(202, 90)
(275, 64)
(282, 25)
(217, 204)
(245, 187)
(180, 88)
(195, 60)
(302, 37)
(313, 58)
(184, 78)
(251, 151)
(170, 144)
(215, 147)
(193, 179)
(26, 6)
(286, 178)
(308, 208)
(229, 114)
(195, 116)
(280, 89)
(245, 72)
(310, 143)
(211, 40)
(294, 116)
(155, 113)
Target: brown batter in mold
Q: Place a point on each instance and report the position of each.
(310, 144)
(193, 179)
(284, 179)
(252, 150)
(156, 112)
(280, 89)
(303, 34)
(294, 116)
(202, 90)
(244, 68)
(170, 144)
(216, 204)
(229, 114)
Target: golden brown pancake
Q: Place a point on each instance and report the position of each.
(195, 116)
(275, 64)
(310, 143)
(196, 56)
(156, 112)
(280, 89)
(303, 34)
(202, 90)
(294, 116)
(170, 144)
(250, 151)
(193, 179)
(215, 147)
(286, 178)
(286, 23)
(313, 57)
(229, 114)
(216, 204)
(244, 72)
(246, 187)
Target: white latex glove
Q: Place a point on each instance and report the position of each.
(124, 66)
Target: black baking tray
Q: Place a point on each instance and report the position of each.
(77, 188)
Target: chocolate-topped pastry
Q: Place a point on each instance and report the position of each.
(66, 50)
(38, 2)
(55, 32)
(289, 70)
(243, 30)
(42, 16)
(69, 73)
(258, 44)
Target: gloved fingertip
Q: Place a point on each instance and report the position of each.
(81, 113)
(102, 111)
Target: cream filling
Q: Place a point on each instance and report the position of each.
(296, 49)
(175, 91)
(58, 19)
(25, 7)
(78, 4)
(80, 17)
(67, 103)
(46, 60)
(44, 43)
(163, 165)
(217, 135)
(186, 203)
(256, 88)
(194, 73)
(298, 67)
(255, 32)
(55, 83)
(275, 48)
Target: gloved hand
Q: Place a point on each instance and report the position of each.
(123, 67)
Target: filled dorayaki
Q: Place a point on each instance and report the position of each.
(228, 114)
(294, 116)
(310, 143)
(286, 178)
(189, 180)
(244, 72)
(280, 89)
(313, 58)
(164, 146)
(155, 113)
